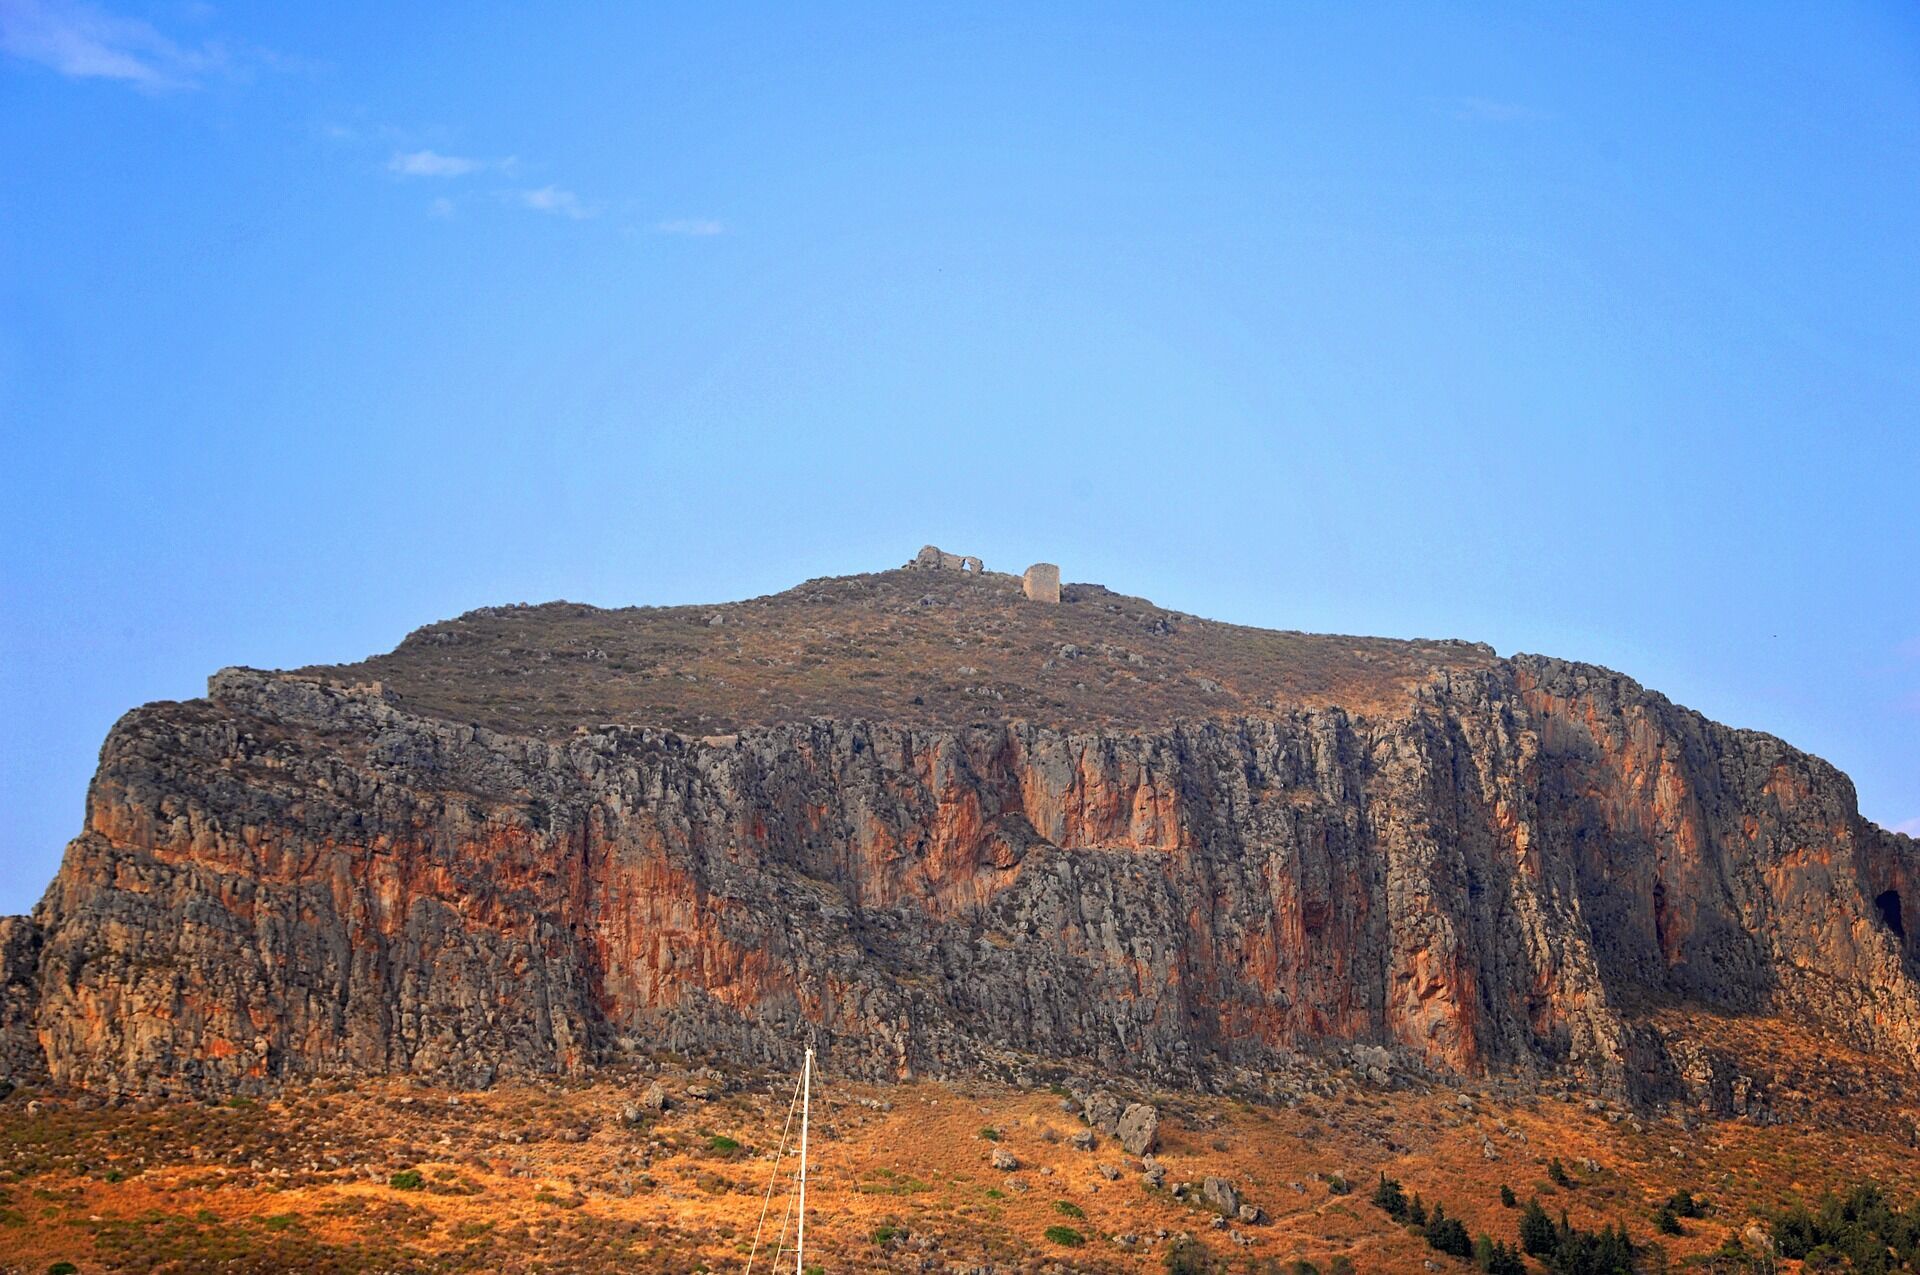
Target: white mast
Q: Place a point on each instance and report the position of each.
(806, 1102)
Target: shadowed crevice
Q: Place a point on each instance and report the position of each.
(1887, 903)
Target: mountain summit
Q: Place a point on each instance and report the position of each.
(946, 826)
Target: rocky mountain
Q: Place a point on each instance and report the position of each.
(942, 828)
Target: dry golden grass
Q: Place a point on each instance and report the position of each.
(525, 1178)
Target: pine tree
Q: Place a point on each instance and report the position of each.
(1537, 1235)
(1447, 1234)
(1391, 1198)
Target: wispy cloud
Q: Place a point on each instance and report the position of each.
(1486, 110)
(85, 42)
(432, 164)
(698, 227)
(1909, 826)
(558, 202)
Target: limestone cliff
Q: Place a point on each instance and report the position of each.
(1094, 834)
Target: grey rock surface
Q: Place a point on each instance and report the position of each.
(1221, 1194)
(1139, 1129)
(295, 877)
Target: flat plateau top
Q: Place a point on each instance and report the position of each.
(921, 647)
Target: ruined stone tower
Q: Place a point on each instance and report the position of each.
(1041, 583)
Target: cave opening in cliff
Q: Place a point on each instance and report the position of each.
(1889, 904)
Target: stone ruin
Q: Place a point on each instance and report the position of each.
(936, 559)
(1041, 583)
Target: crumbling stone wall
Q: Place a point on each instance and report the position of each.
(938, 559)
(1041, 583)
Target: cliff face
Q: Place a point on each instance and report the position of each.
(1505, 867)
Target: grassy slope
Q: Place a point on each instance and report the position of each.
(525, 1178)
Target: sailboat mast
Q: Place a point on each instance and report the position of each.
(806, 1103)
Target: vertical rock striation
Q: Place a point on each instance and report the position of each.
(299, 877)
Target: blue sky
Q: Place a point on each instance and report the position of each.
(1591, 332)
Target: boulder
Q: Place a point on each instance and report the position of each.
(1139, 1129)
(1221, 1194)
(1102, 1111)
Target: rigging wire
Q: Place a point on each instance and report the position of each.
(780, 1245)
(773, 1177)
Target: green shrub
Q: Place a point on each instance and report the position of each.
(1390, 1197)
(1558, 1172)
(1859, 1227)
(1447, 1234)
(723, 1144)
(407, 1180)
(63, 1268)
(1337, 1184)
(1069, 1208)
(1496, 1258)
(1507, 1198)
(1606, 1251)
(882, 1235)
(1683, 1204)
(1066, 1236)
(279, 1221)
(1187, 1256)
(990, 1133)
(1565, 1248)
(1537, 1235)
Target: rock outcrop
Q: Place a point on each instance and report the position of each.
(1139, 1129)
(20, 1054)
(1041, 582)
(302, 875)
